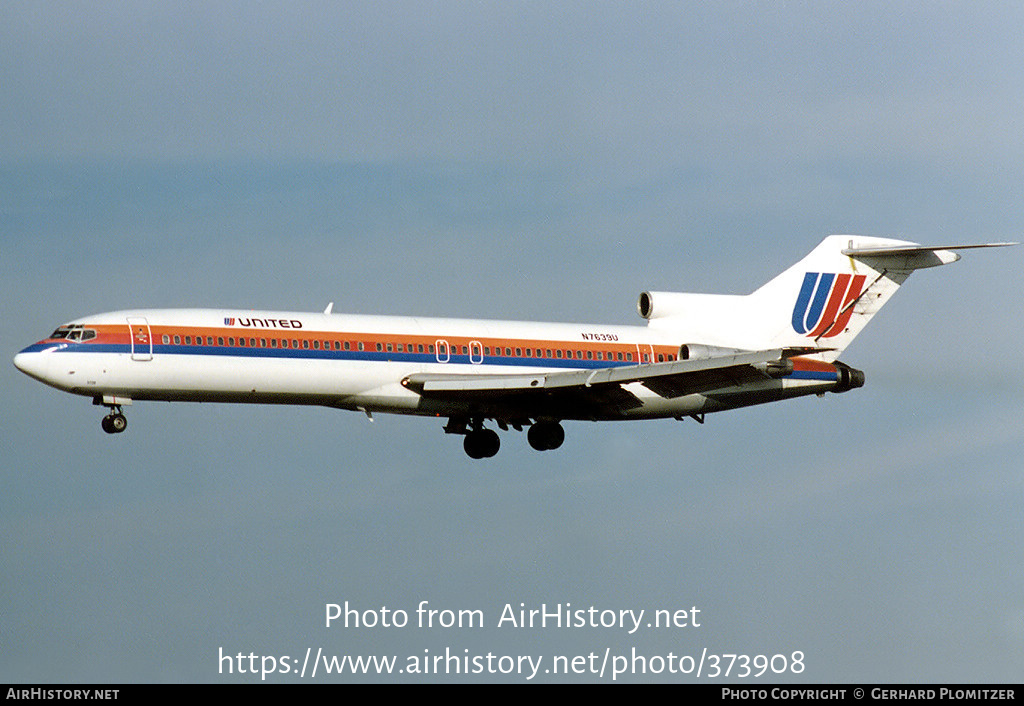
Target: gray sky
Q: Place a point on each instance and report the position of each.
(513, 160)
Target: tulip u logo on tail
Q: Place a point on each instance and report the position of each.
(824, 305)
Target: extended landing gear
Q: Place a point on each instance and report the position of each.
(481, 443)
(484, 443)
(115, 422)
(546, 436)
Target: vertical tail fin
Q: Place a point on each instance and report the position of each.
(823, 301)
(828, 297)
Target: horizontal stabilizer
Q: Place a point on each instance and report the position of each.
(913, 256)
(917, 248)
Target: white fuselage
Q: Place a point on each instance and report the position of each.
(353, 362)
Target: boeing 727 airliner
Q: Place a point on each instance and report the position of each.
(698, 353)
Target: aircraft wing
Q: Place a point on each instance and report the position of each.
(605, 387)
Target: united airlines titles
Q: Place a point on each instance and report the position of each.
(263, 323)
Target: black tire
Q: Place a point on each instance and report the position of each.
(472, 445)
(556, 437)
(118, 423)
(546, 436)
(483, 443)
(490, 442)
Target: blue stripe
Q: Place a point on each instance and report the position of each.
(365, 356)
(313, 354)
(806, 289)
(813, 375)
(820, 297)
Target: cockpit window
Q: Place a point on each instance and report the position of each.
(74, 332)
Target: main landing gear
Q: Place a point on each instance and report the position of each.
(481, 443)
(546, 436)
(484, 443)
(115, 422)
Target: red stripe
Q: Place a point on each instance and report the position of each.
(852, 293)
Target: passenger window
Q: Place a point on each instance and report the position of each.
(220, 340)
(209, 340)
(166, 339)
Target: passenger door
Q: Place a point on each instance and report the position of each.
(141, 337)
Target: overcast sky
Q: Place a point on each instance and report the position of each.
(511, 160)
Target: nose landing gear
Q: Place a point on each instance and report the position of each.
(115, 422)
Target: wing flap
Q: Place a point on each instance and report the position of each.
(689, 383)
(670, 379)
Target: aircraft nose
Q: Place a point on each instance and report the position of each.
(32, 363)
